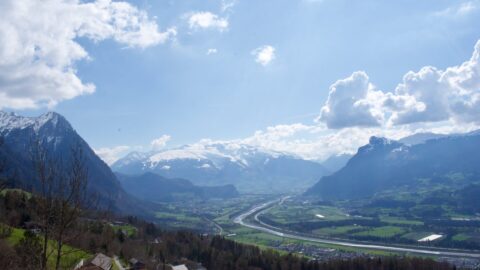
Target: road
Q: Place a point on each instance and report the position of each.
(259, 209)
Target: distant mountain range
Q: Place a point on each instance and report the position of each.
(385, 164)
(248, 168)
(58, 138)
(156, 188)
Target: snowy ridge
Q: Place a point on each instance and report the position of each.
(217, 153)
(12, 121)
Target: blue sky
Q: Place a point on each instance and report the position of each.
(171, 85)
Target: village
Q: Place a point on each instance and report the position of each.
(322, 254)
(103, 262)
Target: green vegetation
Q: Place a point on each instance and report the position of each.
(15, 236)
(400, 221)
(287, 213)
(461, 237)
(72, 255)
(337, 230)
(127, 229)
(382, 232)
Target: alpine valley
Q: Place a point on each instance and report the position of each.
(418, 195)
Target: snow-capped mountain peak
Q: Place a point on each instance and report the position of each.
(226, 162)
(12, 121)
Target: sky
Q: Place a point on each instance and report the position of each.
(310, 77)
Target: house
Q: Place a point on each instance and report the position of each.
(99, 262)
(33, 227)
(179, 267)
(156, 241)
(136, 264)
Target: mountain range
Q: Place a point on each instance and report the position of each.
(248, 168)
(385, 164)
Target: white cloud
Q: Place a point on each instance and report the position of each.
(39, 47)
(227, 5)
(211, 51)
(160, 142)
(110, 155)
(264, 54)
(429, 95)
(458, 10)
(351, 102)
(206, 20)
(317, 142)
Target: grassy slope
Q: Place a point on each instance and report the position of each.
(72, 257)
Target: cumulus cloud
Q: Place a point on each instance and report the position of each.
(429, 95)
(206, 20)
(264, 54)
(211, 51)
(160, 142)
(110, 155)
(39, 47)
(351, 102)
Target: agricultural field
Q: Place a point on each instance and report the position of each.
(402, 219)
(205, 216)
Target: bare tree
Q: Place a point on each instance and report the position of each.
(2, 167)
(46, 174)
(64, 199)
(72, 203)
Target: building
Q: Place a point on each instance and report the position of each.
(179, 267)
(99, 262)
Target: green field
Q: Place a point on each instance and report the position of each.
(288, 213)
(382, 232)
(337, 230)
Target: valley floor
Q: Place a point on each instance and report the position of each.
(324, 231)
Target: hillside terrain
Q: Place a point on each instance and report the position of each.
(22, 136)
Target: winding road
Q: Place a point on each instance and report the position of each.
(261, 226)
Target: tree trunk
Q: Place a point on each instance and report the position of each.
(59, 254)
(44, 252)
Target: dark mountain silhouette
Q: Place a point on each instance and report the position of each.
(384, 164)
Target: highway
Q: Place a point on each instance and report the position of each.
(259, 209)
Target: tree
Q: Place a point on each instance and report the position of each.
(28, 250)
(64, 198)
